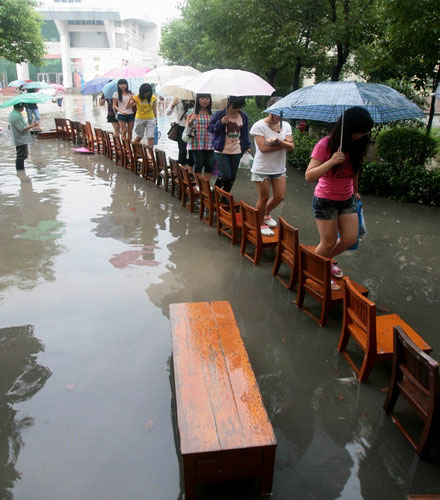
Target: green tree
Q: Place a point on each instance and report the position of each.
(277, 39)
(408, 47)
(20, 32)
(272, 39)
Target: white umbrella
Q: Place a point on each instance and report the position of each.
(164, 74)
(229, 82)
(174, 88)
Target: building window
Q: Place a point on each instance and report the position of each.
(88, 39)
(50, 32)
(84, 23)
(120, 41)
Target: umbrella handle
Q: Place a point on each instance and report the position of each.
(342, 131)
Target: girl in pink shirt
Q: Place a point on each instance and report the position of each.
(337, 171)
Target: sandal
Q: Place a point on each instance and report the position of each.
(337, 271)
(266, 231)
(334, 286)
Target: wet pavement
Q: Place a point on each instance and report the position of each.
(91, 258)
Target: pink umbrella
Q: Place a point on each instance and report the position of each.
(126, 72)
(57, 86)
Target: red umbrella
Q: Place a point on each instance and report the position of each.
(57, 86)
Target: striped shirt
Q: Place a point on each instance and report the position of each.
(203, 138)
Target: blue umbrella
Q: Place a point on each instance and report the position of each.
(95, 86)
(112, 87)
(326, 102)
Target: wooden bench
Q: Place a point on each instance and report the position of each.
(224, 429)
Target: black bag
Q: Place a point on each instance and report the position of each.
(172, 132)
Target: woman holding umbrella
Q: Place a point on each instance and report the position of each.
(122, 104)
(273, 138)
(201, 147)
(335, 164)
(180, 107)
(111, 115)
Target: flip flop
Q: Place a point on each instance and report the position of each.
(334, 286)
(337, 271)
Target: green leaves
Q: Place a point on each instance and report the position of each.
(20, 32)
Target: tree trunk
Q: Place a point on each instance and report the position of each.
(436, 81)
(297, 74)
(271, 75)
(342, 58)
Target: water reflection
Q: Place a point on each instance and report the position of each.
(29, 228)
(20, 378)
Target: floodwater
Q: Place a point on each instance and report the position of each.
(91, 258)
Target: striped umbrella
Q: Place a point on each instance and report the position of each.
(326, 102)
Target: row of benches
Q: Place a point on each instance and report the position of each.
(203, 333)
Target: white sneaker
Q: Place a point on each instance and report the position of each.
(266, 231)
(270, 221)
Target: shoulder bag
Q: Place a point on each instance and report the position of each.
(172, 132)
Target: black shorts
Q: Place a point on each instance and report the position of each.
(111, 119)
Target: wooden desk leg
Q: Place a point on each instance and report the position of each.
(266, 478)
(189, 477)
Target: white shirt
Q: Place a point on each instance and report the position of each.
(122, 105)
(273, 162)
(179, 113)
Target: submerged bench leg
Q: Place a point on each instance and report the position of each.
(266, 478)
(189, 477)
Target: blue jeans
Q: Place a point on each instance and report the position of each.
(228, 166)
(33, 112)
(203, 159)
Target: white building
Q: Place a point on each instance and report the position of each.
(86, 38)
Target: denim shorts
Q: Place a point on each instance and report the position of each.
(125, 118)
(263, 177)
(326, 209)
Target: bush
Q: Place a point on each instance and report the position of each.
(401, 145)
(300, 157)
(413, 183)
(375, 178)
(253, 111)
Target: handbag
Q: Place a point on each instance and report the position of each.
(173, 131)
(189, 133)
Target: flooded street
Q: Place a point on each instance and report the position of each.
(91, 258)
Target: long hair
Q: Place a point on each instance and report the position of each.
(122, 80)
(146, 92)
(356, 121)
(198, 104)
